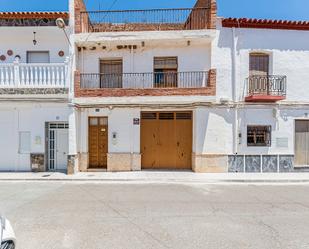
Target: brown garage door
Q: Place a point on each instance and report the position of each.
(98, 142)
(166, 140)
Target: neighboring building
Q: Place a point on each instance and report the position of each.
(33, 92)
(153, 89)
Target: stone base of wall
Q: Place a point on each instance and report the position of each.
(83, 162)
(72, 167)
(123, 162)
(209, 163)
(37, 162)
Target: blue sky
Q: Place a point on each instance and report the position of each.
(273, 9)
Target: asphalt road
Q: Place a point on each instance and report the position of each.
(71, 215)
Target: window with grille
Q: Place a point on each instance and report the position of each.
(259, 135)
(111, 73)
(165, 71)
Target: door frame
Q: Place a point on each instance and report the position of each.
(294, 140)
(88, 138)
(51, 164)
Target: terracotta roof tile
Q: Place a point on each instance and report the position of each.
(264, 24)
(33, 15)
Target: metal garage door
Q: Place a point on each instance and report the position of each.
(166, 140)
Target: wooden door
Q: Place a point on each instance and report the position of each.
(166, 140)
(98, 142)
(302, 143)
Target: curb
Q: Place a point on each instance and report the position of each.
(144, 180)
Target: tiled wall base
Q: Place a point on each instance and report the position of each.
(264, 163)
(123, 162)
(209, 163)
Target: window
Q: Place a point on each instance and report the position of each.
(259, 64)
(259, 135)
(37, 57)
(24, 142)
(111, 73)
(165, 71)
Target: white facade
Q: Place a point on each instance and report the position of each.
(26, 118)
(33, 96)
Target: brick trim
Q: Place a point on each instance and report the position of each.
(212, 14)
(209, 90)
(264, 24)
(80, 21)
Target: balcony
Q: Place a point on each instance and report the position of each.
(269, 88)
(145, 84)
(22, 77)
(146, 20)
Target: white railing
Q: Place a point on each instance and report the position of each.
(23, 75)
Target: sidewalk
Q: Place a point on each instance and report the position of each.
(160, 177)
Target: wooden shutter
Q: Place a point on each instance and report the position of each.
(259, 64)
(111, 73)
(166, 63)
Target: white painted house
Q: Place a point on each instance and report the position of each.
(176, 89)
(184, 89)
(34, 91)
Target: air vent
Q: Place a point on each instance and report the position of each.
(149, 115)
(166, 115)
(184, 115)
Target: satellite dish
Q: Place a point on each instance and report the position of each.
(60, 23)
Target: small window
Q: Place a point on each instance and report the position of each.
(165, 72)
(37, 57)
(24, 142)
(259, 64)
(259, 135)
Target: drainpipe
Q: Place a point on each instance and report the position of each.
(234, 92)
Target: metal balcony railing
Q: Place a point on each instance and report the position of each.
(271, 85)
(144, 80)
(140, 20)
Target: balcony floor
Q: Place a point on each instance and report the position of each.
(264, 98)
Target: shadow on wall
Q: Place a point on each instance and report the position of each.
(215, 123)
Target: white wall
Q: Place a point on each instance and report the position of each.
(25, 117)
(289, 56)
(213, 131)
(19, 39)
(195, 57)
(120, 121)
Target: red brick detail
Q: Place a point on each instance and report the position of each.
(34, 15)
(212, 80)
(264, 24)
(81, 20)
(209, 90)
(212, 13)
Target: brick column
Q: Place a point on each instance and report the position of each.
(212, 80)
(212, 23)
(76, 84)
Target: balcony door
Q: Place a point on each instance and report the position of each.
(259, 72)
(165, 72)
(111, 73)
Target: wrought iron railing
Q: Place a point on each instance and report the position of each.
(145, 80)
(139, 20)
(271, 85)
